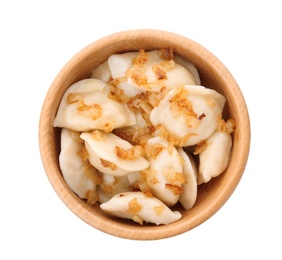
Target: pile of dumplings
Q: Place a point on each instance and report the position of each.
(141, 134)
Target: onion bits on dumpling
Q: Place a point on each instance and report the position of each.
(85, 106)
(189, 112)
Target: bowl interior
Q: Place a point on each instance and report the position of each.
(213, 73)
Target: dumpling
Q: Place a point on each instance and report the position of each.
(190, 113)
(138, 207)
(190, 188)
(164, 175)
(128, 90)
(134, 177)
(85, 106)
(120, 63)
(189, 66)
(111, 185)
(214, 155)
(78, 173)
(86, 85)
(102, 72)
(112, 155)
(150, 72)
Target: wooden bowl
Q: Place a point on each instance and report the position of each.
(213, 73)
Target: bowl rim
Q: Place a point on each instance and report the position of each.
(103, 222)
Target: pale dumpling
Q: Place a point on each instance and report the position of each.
(78, 173)
(190, 188)
(85, 106)
(128, 90)
(189, 66)
(102, 72)
(111, 185)
(111, 154)
(153, 73)
(140, 208)
(118, 64)
(189, 112)
(215, 157)
(164, 175)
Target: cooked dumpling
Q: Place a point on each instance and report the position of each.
(128, 90)
(189, 66)
(178, 76)
(150, 72)
(102, 72)
(134, 177)
(112, 155)
(85, 106)
(214, 155)
(120, 63)
(110, 186)
(189, 195)
(190, 113)
(164, 175)
(138, 207)
(78, 173)
(85, 85)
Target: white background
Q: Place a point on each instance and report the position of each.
(39, 37)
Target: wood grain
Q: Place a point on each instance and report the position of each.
(211, 196)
